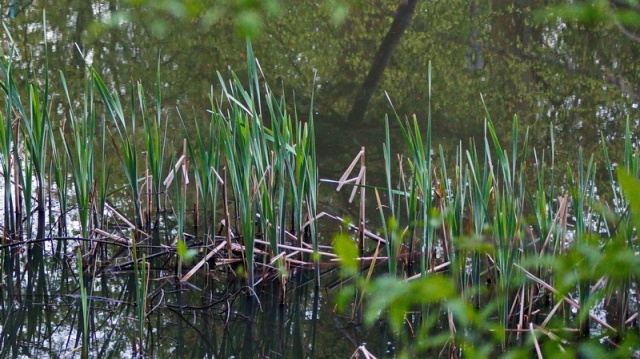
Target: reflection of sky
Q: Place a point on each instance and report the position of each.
(309, 312)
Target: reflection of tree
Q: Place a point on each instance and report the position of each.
(558, 71)
(582, 80)
(401, 21)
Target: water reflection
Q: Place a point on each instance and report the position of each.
(205, 323)
(578, 80)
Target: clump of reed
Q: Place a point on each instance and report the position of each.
(262, 159)
(500, 240)
(514, 252)
(253, 199)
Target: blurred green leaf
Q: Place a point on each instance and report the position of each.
(631, 190)
(628, 17)
(398, 297)
(184, 252)
(248, 16)
(339, 14)
(344, 297)
(347, 251)
(593, 12)
(474, 243)
(462, 311)
(248, 23)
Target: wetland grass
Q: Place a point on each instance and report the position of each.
(509, 251)
(8, 129)
(79, 153)
(494, 219)
(269, 171)
(84, 305)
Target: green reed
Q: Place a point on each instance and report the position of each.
(294, 175)
(124, 143)
(293, 181)
(418, 193)
(631, 164)
(509, 210)
(24, 135)
(59, 167)
(545, 194)
(140, 279)
(155, 143)
(205, 155)
(389, 227)
(9, 145)
(549, 214)
(272, 170)
(397, 199)
(452, 204)
(421, 187)
(84, 305)
(582, 188)
(272, 194)
(495, 210)
(79, 150)
(623, 226)
(476, 211)
(101, 188)
(477, 173)
(499, 215)
(6, 144)
(37, 128)
(236, 130)
(180, 181)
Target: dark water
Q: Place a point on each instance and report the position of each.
(581, 81)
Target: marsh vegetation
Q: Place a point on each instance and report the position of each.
(133, 227)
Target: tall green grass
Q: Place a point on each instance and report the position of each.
(204, 149)
(514, 243)
(10, 156)
(415, 194)
(124, 139)
(271, 170)
(79, 147)
(519, 234)
(84, 306)
(155, 146)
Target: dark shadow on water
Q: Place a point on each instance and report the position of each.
(401, 21)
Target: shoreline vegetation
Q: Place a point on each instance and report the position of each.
(504, 252)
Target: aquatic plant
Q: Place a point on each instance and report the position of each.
(495, 244)
(510, 251)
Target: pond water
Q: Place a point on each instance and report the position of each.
(580, 81)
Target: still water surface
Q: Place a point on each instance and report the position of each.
(582, 82)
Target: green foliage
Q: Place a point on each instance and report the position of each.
(501, 267)
(597, 12)
(387, 293)
(248, 16)
(630, 188)
(84, 304)
(482, 198)
(347, 249)
(184, 252)
(79, 151)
